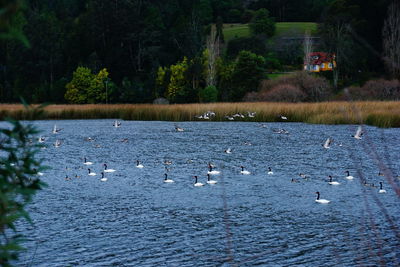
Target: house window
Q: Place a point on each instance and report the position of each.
(322, 65)
(330, 65)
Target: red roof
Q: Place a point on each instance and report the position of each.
(317, 58)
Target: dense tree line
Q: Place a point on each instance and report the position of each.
(136, 41)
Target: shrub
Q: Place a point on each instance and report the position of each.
(383, 89)
(284, 93)
(208, 94)
(316, 88)
(376, 90)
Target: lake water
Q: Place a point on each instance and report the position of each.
(134, 219)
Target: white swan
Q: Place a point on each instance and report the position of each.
(243, 171)
(91, 173)
(87, 162)
(381, 190)
(197, 183)
(228, 151)
(359, 133)
(209, 181)
(321, 201)
(103, 179)
(211, 171)
(332, 182)
(349, 177)
(270, 172)
(166, 180)
(107, 170)
(139, 165)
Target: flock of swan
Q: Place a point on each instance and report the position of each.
(211, 168)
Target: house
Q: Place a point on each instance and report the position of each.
(320, 61)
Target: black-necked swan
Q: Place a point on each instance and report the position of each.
(209, 181)
(211, 171)
(359, 133)
(117, 124)
(91, 173)
(381, 174)
(332, 182)
(55, 130)
(321, 201)
(38, 173)
(349, 177)
(381, 190)
(41, 139)
(103, 179)
(243, 171)
(87, 162)
(139, 165)
(197, 183)
(270, 172)
(57, 143)
(106, 169)
(179, 129)
(304, 176)
(67, 178)
(327, 143)
(166, 180)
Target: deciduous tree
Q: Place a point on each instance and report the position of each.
(391, 39)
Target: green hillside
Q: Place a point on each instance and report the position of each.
(283, 29)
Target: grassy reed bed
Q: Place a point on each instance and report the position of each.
(381, 114)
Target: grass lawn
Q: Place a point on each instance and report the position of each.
(283, 29)
(275, 75)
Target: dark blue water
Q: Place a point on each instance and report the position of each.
(134, 219)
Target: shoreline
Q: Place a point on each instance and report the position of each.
(384, 114)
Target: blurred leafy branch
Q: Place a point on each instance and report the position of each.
(10, 11)
(19, 181)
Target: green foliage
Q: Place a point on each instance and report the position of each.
(249, 70)
(208, 94)
(178, 82)
(19, 182)
(12, 21)
(234, 16)
(252, 44)
(262, 24)
(224, 73)
(247, 16)
(86, 87)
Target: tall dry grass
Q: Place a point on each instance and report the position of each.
(381, 114)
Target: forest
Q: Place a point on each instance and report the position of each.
(135, 51)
